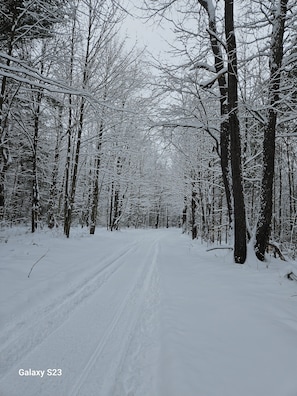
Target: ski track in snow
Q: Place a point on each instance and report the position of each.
(134, 297)
(60, 321)
(20, 340)
(148, 313)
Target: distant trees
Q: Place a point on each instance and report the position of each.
(77, 101)
(97, 20)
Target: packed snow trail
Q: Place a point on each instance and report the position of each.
(87, 334)
(143, 313)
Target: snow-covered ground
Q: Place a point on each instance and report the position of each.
(142, 313)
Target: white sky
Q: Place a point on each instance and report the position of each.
(147, 33)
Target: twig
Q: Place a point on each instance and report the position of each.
(291, 276)
(37, 262)
(219, 248)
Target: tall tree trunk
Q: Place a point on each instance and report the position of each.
(240, 247)
(290, 168)
(280, 201)
(224, 127)
(111, 201)
(115, 209)
(264, 222)
(52, 204)
(184, 216)
(67, 209)
(95, 195)
(35, 188)
(75, 166)
(158, 214)
(4, 149)
(193, 211)
(69, 203)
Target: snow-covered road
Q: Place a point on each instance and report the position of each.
(142, 313)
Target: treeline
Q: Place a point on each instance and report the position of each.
(74, 130)
(232, 119)
(207, 141)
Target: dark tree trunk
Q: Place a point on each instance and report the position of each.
(67, 210)
(193, 209)
(95, 195)
(225, 154)
(52, 203)
(240, 247)
(71, 200)
(115, 210)
(224, 127)
(4, 149)
(111, 205)
(67, 175)
(157, 218)
(264, 222)
(70, 195)
(184, 217)
(95, 200)
(35, 189)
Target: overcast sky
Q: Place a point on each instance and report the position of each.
(146, 33)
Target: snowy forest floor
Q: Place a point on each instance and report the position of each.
(142, 313)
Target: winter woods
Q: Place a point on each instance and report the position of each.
(74, 109)
(204, 139)
(233, 84)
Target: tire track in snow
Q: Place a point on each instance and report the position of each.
(124, 324)
(21, 340)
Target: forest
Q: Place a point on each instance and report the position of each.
(98, 133)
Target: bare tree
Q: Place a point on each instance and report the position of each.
(275, 64)
(101, 21)
(238, 197)
(21, 22)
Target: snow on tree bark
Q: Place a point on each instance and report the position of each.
(276, 57)
(240, 247)
(21, 21)
(224, 125)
